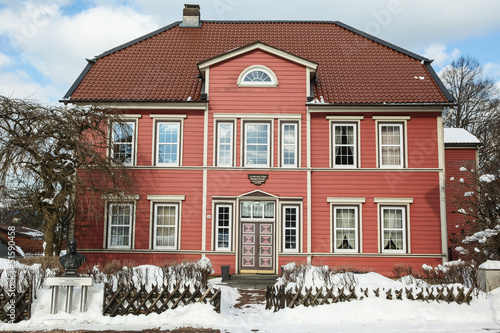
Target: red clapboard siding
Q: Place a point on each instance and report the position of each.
(424, 212)
(422, 140)
(287, 98)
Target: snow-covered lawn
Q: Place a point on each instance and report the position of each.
(370, 314)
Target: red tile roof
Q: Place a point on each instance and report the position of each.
(354, 68)
(28, 246)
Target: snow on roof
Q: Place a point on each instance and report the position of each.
(459, 135)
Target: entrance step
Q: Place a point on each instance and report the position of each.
(252, 281)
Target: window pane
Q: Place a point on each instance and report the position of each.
(123, 140)
(393, 224)
(257, 144)
(391, 145)
(120, 221)
(290, 228)
(269, 210)
(257, 210)
(246, 209)
(225, 142)
(165, 236)
(289, 144)
(257, 76)
(345, 220)
(344, 144)
(168, 141)
(223, 226)
(166, 222)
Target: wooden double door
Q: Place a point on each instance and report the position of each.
(257, 247)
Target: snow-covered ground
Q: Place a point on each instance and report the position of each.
(370, 314)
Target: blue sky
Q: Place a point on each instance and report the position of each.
(44, 43)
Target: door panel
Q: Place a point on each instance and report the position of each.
(257, 247)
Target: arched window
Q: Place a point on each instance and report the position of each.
(258, 76)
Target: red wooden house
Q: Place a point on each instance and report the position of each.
(257, 143)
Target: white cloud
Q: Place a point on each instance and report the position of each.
(4, 59)
(492, 69)
(44, 36)
(19, 84)
(56, 45)
(438, 53)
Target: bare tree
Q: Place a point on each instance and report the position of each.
(45, 152)
(477, 106)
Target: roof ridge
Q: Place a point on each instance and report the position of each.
(137, 40)
(383, 42)
(338, 23)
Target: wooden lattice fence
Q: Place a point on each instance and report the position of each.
(15, 306)
(278, 298)
(131, 300)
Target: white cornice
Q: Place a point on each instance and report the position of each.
(258, 115)
(345, 200)
(393, 201)
(150, 106)
(166, 198)
(314, 108)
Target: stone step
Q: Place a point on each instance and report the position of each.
(252, 281)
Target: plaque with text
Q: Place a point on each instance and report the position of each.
(257, 179)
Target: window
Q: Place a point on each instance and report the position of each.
(223, 225)
(120, 225)
(345, 221)
(257, 144)
(165, 226)
(256, 76)
(344, 145)
(290, 228)
(289, 140)
(391, 145)
(168, 143)
(257, 209)
(393, 229)
(225, 144)
(123, 142)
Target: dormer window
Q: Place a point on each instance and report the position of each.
(258, 76)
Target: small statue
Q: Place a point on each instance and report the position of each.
(72, 260)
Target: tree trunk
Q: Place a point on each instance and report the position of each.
(50, 218)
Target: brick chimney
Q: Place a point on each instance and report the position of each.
(191, 16)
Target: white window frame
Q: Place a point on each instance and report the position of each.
(176, 225)
(178, 143)
(110, 225)
(231, 144)
(341, 120)
(354, 145)
(217, 227)
(346, 202)
(253, 68)
(269, 144)
(391, 121)
(297, 228)
(155, 199)
(295, 144)
(355, 249)
(400, 146)
(133, 143)
(382, 210)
